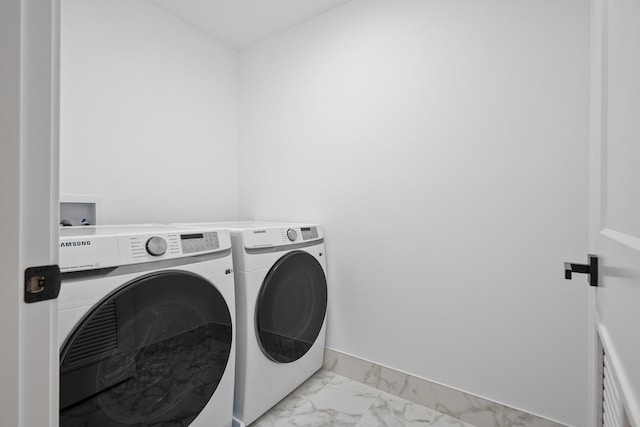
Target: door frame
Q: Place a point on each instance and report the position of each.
(596, 93)
(29, 171)
(599, 340)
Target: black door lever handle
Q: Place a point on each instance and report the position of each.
(591, 269)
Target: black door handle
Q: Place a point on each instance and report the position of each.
(591, 269)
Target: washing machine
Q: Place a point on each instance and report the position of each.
(146, 329)
(281, 305)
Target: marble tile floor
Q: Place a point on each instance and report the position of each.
(328, 399)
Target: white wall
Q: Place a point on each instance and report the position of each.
(149, 114)
(443, 144)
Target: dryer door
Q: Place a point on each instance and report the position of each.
(150, 354)
(291, 307)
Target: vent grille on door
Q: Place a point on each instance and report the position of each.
(97, 339)
(613, 414)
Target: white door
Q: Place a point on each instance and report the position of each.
(615, 212)
(28, 215)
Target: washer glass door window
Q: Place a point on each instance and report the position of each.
(150, 354)
(291, 307)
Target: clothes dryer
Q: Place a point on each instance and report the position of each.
(146, 327)
(281, 304)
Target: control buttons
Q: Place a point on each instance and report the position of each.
(192, 243)
(292, 234)
(156, 246)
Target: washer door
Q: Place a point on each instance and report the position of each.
(291, 307)
(150, 354)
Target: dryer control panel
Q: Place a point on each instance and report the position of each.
(280, 236)
(145, 248)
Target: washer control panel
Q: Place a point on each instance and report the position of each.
(198, 242)
(292, 234)
(150, 247)
(92, 247)
(156, 246)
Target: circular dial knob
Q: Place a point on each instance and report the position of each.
(156, 246)
(292, 234)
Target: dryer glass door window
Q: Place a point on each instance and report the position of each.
(150, 354)
(291, 307)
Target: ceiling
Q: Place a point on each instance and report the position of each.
(242, 23)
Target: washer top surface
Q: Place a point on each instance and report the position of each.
(120, 230)
(243, 225)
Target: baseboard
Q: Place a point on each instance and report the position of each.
(463, 406)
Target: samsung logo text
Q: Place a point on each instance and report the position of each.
(76, 243)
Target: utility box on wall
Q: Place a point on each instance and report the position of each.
(80, 209)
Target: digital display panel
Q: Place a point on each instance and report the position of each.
(309, 233)
(191, 236)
